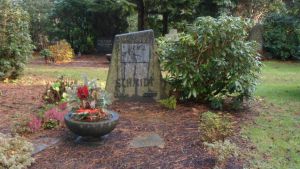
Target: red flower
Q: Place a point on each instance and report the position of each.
(90, 111)
(83, 92)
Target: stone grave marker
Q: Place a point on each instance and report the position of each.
(256, 34)
(134, 71)
(104, 45)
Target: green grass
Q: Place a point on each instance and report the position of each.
(69, 72)
(276, 131)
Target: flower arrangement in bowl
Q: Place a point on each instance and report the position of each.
(89, 115)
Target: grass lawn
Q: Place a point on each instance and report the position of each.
(69, 72)
(276, 131)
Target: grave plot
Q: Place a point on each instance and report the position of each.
(148, 135)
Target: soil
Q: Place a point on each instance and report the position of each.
(178, 128)
(82, 61)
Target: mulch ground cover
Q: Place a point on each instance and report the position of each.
(178, 128)
(18, 101)
(82, 61)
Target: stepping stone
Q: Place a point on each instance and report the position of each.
(147, 140)
(44, 143)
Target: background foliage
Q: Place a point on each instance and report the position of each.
(40, 24)
(282, 36)
(82, 22)
(15, 41)
(62, 51)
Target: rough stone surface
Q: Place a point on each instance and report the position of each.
(104, 45)
(134, 71)
(147, 140)
(256, 34)
(92, 129)
(43, 143)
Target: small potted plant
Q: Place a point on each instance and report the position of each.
(88, 116)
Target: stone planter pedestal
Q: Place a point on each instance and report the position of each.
(92, 129)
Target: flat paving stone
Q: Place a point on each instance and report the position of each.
(147, 140)
(44, 143)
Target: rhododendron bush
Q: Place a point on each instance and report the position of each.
(213, 62)
(15, 42)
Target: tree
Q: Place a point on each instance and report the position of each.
(281, 32)
(293, 7)
(257, 9)
(40, 24)
(81, 22)
(15, 41)
(141, 14)
(160, 14)
(282, 36)
(254, 9)
(71, 22)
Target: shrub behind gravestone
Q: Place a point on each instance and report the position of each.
(47, 55)
(213, 61)
(15, 42)
(282, 36)
(62, 51)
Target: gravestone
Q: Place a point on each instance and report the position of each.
(104, 45)
(134, 71)
(256, 34)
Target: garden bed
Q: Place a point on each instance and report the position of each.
(178, 129)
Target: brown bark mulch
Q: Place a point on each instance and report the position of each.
(17, 102)
(178, 128)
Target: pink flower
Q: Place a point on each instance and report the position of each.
(63, 106)
(35, 123)
(55, 114)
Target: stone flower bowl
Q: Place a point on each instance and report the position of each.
(92, 129)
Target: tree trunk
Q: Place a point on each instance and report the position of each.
(141, 14)
(165, 23)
